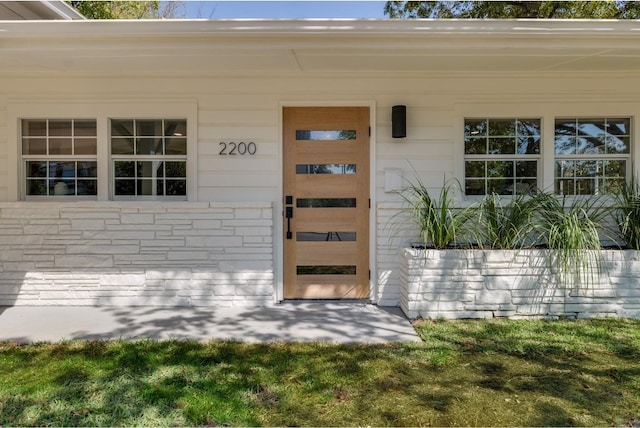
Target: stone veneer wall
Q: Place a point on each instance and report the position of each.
(136, 253)
(515, 284)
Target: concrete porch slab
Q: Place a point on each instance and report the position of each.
(291, 321)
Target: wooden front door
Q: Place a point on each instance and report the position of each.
(326, 200)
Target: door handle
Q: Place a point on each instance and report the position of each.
(289, 215)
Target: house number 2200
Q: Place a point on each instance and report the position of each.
(233, 149)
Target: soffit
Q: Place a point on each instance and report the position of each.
(203, 47)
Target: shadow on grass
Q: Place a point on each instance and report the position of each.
(590, 367)
(491, 375)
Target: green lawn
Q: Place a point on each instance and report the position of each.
(488, 373)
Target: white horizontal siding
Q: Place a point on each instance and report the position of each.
(4, 138)
(247, 109)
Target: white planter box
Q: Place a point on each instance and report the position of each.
(515, 284)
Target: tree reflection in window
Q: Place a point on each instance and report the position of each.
(325, 135)
(501, 155)
(591, 155)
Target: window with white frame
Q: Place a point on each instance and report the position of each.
(59, 157)
(592, 155)
(501, 155)
(149, 158)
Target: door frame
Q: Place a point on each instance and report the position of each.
(278, 237)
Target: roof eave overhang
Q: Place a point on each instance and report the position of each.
(177, 47)
(319, 27)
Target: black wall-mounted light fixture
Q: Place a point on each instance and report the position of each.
(399, 121)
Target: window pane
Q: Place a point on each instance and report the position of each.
(618, 127)
(565, 133)
(125, 187)
(37, 187)
(326, 270)
(595, 128)
(528, 128)
(176, 169)
(122, 146)
(85, 146)
(617, 145)
(326, 202)
(160, 187)
(474, 187)
(176, 187)
(614, 168)
(325, 135)
(474, 169)
(34, 146)
(60, 128)
(148, 128)
(84, 128)
(87, 187)
(121, 128)
(564, 169)
(526, 187)
(175, 128)
(124, 169)
(60, 138)
(148, 146)
(565, 145)
(585, 168)
(493, 148)
(175, 146)
(62, 169)
(34, 128)
(500, 186)
(145, 187)
(526, 169)
(612, 186)
(154, 139)
(60, 146)
(149, 169)
(591, 136)
(497, 169)
(87, 169)
(590, 146)
(502, 127)
(565, 187)
(594, 138)
(528, 145)
(475, 127)
(62, 187)
(326, 236)
(326, 169)
(475, 146)
(36, 169)
(502, 146)
(585, 186)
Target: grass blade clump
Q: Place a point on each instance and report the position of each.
(628, 213)
(508, 226)
(440, 224)
(572, 231)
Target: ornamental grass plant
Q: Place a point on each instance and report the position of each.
(439, 222)
(628, 213)
(572, 230)
(510, 225)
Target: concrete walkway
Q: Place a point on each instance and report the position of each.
(328, 322)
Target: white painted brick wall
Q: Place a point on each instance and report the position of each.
(147, 254)
(517, 284)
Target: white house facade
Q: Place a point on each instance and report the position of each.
(229, 163)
